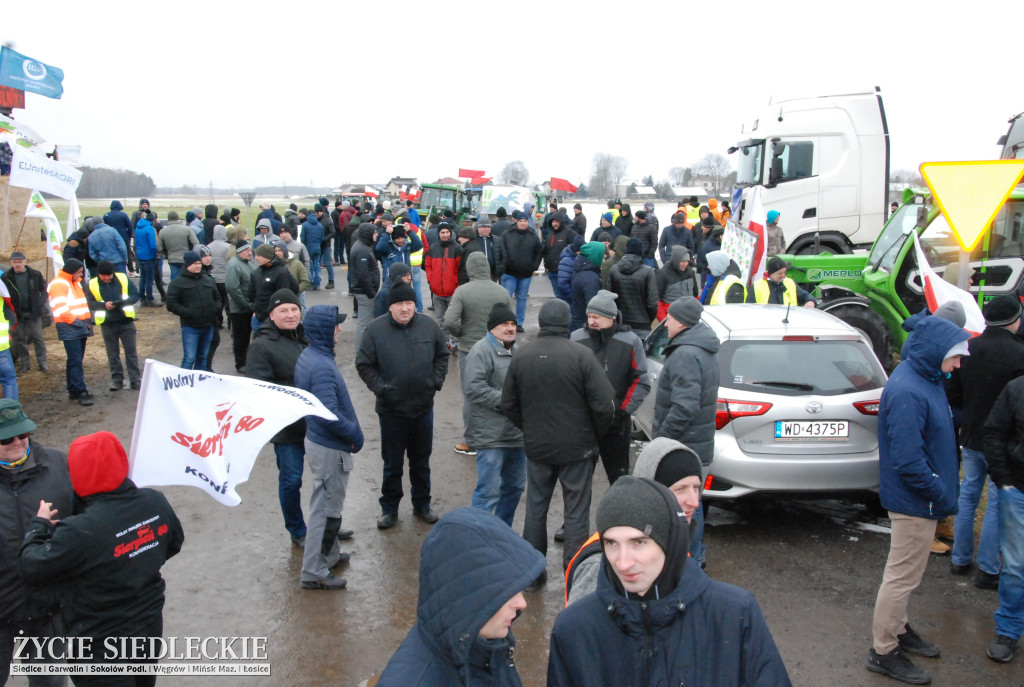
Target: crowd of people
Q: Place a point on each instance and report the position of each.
(537, 414)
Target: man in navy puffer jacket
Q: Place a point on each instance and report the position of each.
(473, 569)
(329, 447)
(918, 477)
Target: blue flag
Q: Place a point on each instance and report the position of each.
(31, 76)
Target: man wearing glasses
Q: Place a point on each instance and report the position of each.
(29, 473)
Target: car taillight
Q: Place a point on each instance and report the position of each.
(707, 483)
(728, 410)
(867, 407)
(794, 337)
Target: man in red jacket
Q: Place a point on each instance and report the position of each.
(442, 264)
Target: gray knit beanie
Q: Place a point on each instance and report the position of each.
(603, 304)
(686, 310)
(555, 313)
(635, 502)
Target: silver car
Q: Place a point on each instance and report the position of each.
(798, 401)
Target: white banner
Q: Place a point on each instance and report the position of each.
(40, 173)
(938, 291)
(20, 132)
(205, 430)
(38, 207)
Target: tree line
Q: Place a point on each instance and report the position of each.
(99, 182)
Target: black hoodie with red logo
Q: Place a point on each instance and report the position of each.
(110, 554)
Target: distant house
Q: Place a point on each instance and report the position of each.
(399, 185)
(644, 193)
(686, 192)
(449, 181)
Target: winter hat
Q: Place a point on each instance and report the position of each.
(263, 223)
(649, 206)
(13, 420)
(265, 250)
(444, 224)
(398, 233)
(18, 255)
(635, 246)
(679, 253)
(502, 213)
(105, 267)
(607, 217)
(640, 214)
(318, 208)
(676, 465)
(116, 205)
(773, 216)
(593, 251)
(775, 263)
(241, 245)
(718, 262)
(467, 233)
(484, 220)
(500, 313)
(189, 216)
(686, 310)
(603, 304)
(71, 265)
(204, 251)
(190, 257)
(283, 296)
(577, 243)
(635, 502)
(679, 217)
(708, 221)
(605, 237)
(400, 293)
(959, 348)
(555, 313)
(172, 216)
(387, 217)
(999, 312)
(97, 463)
(953, 312)
(397, 271)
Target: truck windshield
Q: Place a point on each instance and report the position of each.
(429, 197)
(749, 164)
(886, 248)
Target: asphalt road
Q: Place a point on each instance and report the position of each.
(813, 567)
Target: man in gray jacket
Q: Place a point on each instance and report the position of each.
(500, 455)
(688, 392)
(237, 279)
(466, 318)
(173, 240)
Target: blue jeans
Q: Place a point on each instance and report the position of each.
(971, 486)
(147, 269)
(339, 249)
(417, 285)
(195, 343)
(400, 436)
(651, 262)
(325, 261)
(74, 374)
(314, 269)
(1010, 614)
(176, 268)
(501, 478)
(289, 484)
(8, 377)
(697, 547)
(553, 278)
(520, 289)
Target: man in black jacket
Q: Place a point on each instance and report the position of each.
(194, 298)
(108, 555)
(271, 358)
(403, 359)
(637, 287)
(557, 393)
(112, 297)
(29, 473)
(271, 276)
(364, 276)
(519, 257)
(28, 294)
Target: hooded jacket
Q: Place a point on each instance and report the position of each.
(555, 241)
(672, 237)
(619, 250)
(471, 564)
(520, 254)
(566, 265)
(363, 262)
(210, 221)
(471, 303)
(388, 252)
(317, 372)
(624, 222)
(267, 280)
(674, 284)
(647, 232)
(272, 357)
(110, 554)
(145, 240)
(218, 254)
(312, 234)
(918, 472)
(442, 266)
(34, 303)
(637, 287)
(687, 395)
(586, 282)
(119, 220)
(237, 280)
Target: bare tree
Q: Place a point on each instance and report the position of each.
(714, 167)
(617, 171)
(678, 175)
(906, 176)
(514, 172)
(600, 176)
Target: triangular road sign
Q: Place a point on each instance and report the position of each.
(970, 194)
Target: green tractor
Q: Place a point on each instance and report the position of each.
(436, 198)
(876, 291)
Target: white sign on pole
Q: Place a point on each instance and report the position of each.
(39, 173)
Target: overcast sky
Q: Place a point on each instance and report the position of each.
(335, 92)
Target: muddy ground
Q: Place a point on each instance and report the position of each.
(814, 567)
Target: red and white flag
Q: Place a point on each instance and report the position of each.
(758, 222)
(938, 291)
(204, 430)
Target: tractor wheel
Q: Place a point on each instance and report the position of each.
(872, 326)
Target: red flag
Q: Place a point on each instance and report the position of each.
(562, 185)
(479, 181)
(470, 173)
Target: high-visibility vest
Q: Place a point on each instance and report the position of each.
(5, 331)
(67, 299)
(718, 298)
(692, 215)
(416, 259)
(101, 314)
(762, 291)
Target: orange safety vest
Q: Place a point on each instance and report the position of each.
(67, 299)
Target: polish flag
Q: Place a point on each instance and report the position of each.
(368, 191)
(470, 173)
(758, 224)
(938, 291)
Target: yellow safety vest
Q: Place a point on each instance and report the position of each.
(416, 259)
(762, 291)
(5, 331)
(100, 315)
(692, 215)
(718, 298)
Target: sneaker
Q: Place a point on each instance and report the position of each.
(896, 665)
(299, 542)
(960, 569)
(465, 450)
(85, 399)
(912, 643)
(386, 521)
(940, 548)
(560, 534)
(345, 534)
(1001, 649)
(538, 583)
(343, 559)
(330, 583)
(519, 328)
(984, 580)
(426, 515)
(116, 385)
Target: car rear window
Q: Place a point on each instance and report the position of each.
(796, 368)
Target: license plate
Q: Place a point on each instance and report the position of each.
(812, 429)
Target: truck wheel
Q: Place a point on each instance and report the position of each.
(872, 326)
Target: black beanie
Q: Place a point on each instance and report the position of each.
(676, 465)
(398, 232)
(634, 502)
(282, 296)
(72, 265)
(401, 292)
(500, 313)
(189, 257)
(555, 313)
(105, 267)
(397, 271)
(634, 246)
